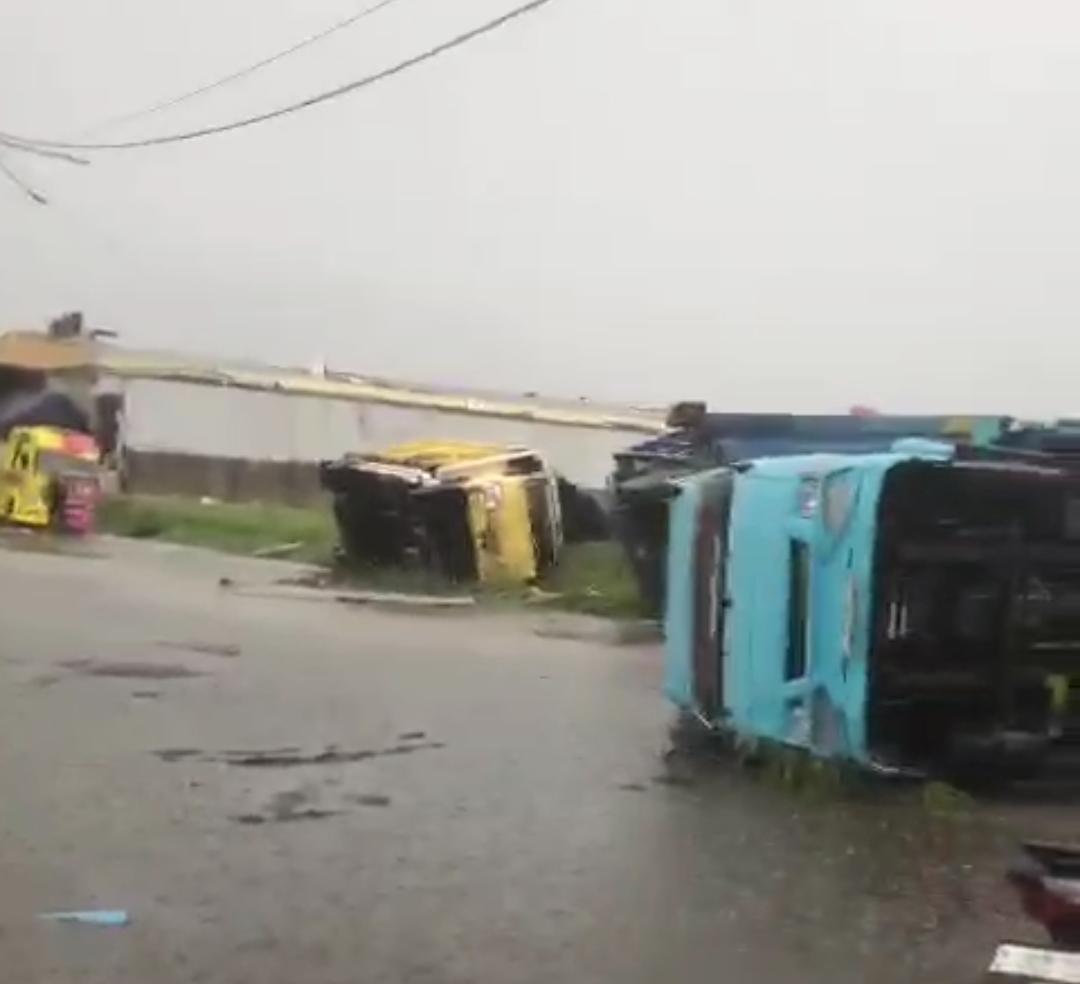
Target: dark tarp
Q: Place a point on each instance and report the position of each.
(48, 409)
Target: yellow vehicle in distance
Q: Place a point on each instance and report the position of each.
(473, 512)
(49, 477)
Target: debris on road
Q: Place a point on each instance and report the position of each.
(146, 694)
(412, 735)
(398, 599)
(204, 648)
(277, 550)
(90, 917)
(132, 670)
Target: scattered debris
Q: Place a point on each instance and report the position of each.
(146, 694)
(1035, 963)
(396, 599)
(633, 787)
(132, 670)
(90, 917)
(205, 648)
(278, 550)
(371, 799)
(44, 680)
(412, 735)
(225, 582)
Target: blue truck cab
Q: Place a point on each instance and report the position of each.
(907, 611)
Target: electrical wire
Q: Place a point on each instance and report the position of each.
(22, 185)
(314, 100)
(41, 151)
(240, 73)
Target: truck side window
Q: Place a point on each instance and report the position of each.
(798, 610)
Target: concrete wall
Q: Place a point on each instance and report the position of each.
(221, 422)
(294, 483)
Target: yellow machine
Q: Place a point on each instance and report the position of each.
(473, 511)
(49, 477)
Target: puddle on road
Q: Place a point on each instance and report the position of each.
(176, 754)
(134, 670)
(331, 755)
(225, 651)
(289, 806)
(291, 756)
(309, 814)
(369, 799)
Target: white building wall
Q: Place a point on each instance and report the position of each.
(236, 423)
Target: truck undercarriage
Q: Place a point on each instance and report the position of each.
(975, 646)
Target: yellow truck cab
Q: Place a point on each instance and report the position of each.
(49, 477)
(471, 511)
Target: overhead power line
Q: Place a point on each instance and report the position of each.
(240, 73)
(295, 107)
(22, 185)
(58, 155)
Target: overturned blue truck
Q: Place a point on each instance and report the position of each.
(914, 610)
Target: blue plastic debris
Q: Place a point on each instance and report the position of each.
(90, 917)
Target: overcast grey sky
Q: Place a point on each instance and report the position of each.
(770, 204)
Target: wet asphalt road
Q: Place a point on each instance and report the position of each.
(289, 791)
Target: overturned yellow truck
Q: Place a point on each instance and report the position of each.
(471, 512)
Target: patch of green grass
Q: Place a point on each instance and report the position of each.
(240, 528)
(595, 579)
(592, 578)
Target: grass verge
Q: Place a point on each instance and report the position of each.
(591, 578)
(239, 528)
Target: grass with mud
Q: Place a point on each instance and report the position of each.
(591, 578)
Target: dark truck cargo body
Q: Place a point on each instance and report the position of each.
(646, 475)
